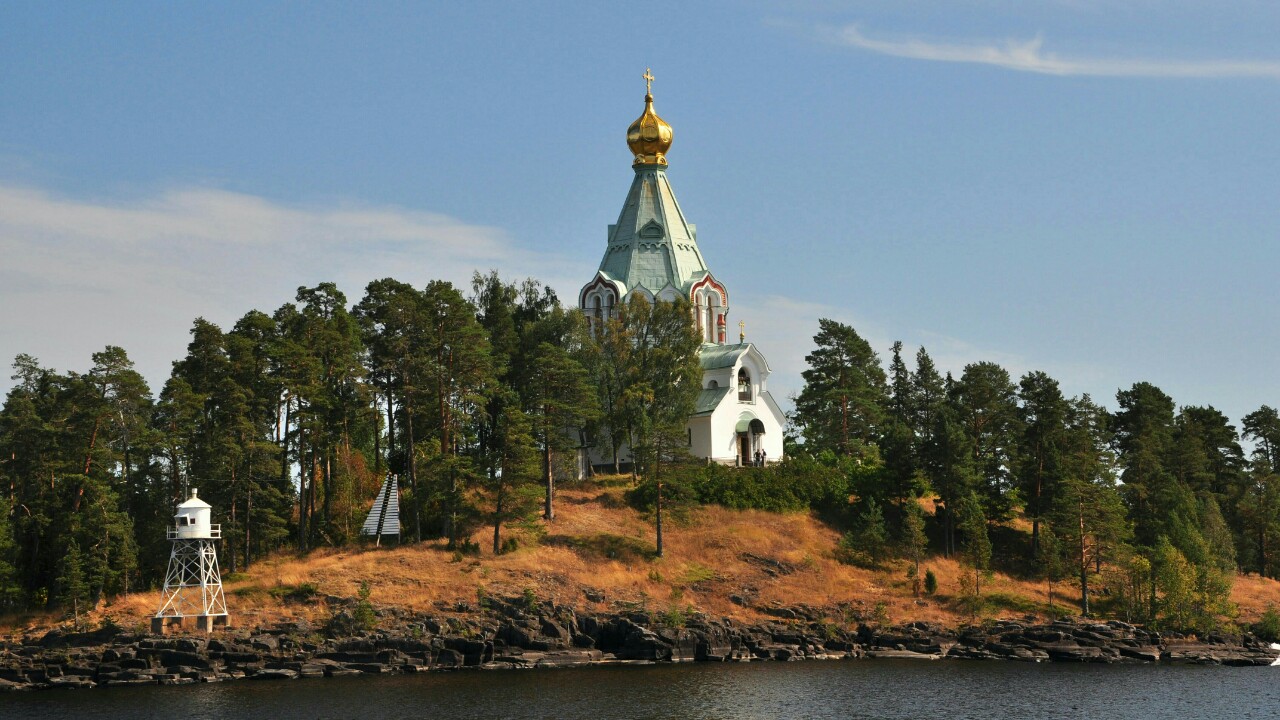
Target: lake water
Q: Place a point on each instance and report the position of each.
(848, 689)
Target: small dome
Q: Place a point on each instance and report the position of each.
(649, 137)
(194, 502)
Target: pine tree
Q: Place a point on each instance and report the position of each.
(512, 490)
(842, 405)
(985, 401)
(663, 381)
(10, 589)
(977, 543)
(72, 588)
(914, 542)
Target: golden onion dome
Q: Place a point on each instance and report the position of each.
(649, 137)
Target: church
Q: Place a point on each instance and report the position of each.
(653, 251)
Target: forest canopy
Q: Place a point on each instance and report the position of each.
(478, 398)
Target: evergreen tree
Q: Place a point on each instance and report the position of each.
(985, 400)
(914, 542)
(949, 462)
(663, 382)
(10, 589)
(841, 407)
(928, 393)
(898, 443)
(1040, 466)
(72, 588)
(509, 489)
(1087, 516)
(457, 368)
(394, 325)
(977, 543)
(560, 401)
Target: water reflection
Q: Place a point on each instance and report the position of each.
(820, 690)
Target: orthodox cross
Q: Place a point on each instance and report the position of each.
(742, 331)
(648, 81)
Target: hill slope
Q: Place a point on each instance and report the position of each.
(597, 556)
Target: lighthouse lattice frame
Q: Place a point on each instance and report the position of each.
(192, 584)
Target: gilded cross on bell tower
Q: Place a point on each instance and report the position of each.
(648, 81)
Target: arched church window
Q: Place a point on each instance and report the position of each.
(744, 385)
(595, 313)
(709, 307)
(713, 385)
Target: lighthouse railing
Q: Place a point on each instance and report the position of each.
(176, 532)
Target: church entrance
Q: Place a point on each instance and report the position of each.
(744, 450)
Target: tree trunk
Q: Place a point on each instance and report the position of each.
(377, 437)
(231, 550)
(413, 473)
(248, 513)
(1035, 505)
(1084, 568)
(88, 462)
(497, 523)
(328, 490)
(391, 425)
(549, 512)
(659, 520)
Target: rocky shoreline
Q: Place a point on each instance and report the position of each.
(511, 634)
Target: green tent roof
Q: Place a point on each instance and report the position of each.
(652, 245)
(709, 399)
(714, 357)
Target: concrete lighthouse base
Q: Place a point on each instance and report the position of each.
(202, 623)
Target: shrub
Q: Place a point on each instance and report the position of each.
(300, 593)
(675, 616)
(1268, 626)
(930, 582)
(363, 615)
(867, 545)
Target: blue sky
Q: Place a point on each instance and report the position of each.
(1085, 188)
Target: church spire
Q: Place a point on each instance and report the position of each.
(649, 137)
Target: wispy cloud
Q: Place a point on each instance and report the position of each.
(77, 275)
(1030, 56)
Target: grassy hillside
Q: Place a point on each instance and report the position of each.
(597, 556)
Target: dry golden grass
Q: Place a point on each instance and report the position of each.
(597, 543)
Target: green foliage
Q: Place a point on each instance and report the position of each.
(867, 545)
(913, 542)
(930, 582)
(794, 485)
(977, 543)
(1268, 626)
(985, 402)
(72, 588)
(10, 589)
(675, 616)
(288, 422)
(842, 405)
(363, 616)
(695, 573)
(301, 593)
(608, 546)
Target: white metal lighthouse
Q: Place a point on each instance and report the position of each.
(192, 586)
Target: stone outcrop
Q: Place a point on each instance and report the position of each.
(513, 633)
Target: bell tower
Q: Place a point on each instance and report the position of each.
(652, 249)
